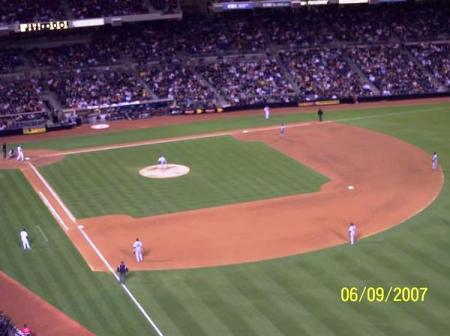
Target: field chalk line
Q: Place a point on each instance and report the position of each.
(138, 305)
(53, 211)
(38, 228)
(71, 216)
(231, 132)
(91, 243)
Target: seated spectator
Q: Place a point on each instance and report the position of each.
(83, 89)
(252, 80)
(20, 96)
(27, 11)
(391, 71)
(323, 74)
(435, 59)
(100, 8)
(9, 60)
(179, 82)
(99, 52)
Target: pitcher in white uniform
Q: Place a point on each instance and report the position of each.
(162, 162)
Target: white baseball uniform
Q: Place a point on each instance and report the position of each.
(266, 112)
(20, 156)
(24, 238)
(162, 162)
(434, 161)
(138, 250)
(352, 233)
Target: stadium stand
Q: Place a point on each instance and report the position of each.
(7, 327)
(224, 60)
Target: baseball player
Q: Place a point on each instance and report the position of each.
(162, 162)
(122, 269)
(266, 112)
(138, 250)
(434, 161)
(352, 233)
(20, 156)
(282, 130)
(24, 238)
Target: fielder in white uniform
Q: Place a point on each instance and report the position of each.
(20, 156)
(138, 250)
(162, 162)
(352, 233)
(266, 112)
(434, 161)
(24, 238)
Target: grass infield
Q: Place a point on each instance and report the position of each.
(223, 171)
(299, 295)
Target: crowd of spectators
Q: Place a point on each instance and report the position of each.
(7, 327)
(391, 70)
(245, 81)
(436, 60)
(323, 73)
(100, 8)
(100, 52)
(20, 96)
(80, 89)
(9, 60)
(204, 61)
(178, 82)
(26, 11)
(230, 34)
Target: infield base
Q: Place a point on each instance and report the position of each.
(169, 171)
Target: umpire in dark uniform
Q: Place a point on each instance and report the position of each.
(320, 114)
(122, 269)
(4, 150)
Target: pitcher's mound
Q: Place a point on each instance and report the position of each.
(171, 170)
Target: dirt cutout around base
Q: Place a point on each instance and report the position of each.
(38, 157)
(392, 182)
(23, 306)
(166, 171)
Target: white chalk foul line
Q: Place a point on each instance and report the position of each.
(53, 211)
(91, 243)
(231, 132)
(138, 305)
(71, 216)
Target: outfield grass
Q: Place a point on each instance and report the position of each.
(223, 171)
(241, 122)
(54, 269)
(297, 295)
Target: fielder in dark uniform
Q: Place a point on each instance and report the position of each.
(320, 114)
(122, 269)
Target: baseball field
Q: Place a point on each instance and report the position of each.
(252, 241)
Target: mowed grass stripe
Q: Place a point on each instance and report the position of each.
(386, 317)
(223, 171)
(177, 310)
(215, 296)
(55, 270)
(249, 288)
(200, 127)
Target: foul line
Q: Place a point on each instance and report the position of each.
(91, 243)
(234, 131)
(53, 211)
(138, 305)
(71, 216)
